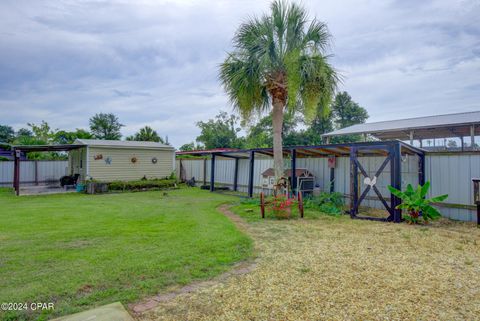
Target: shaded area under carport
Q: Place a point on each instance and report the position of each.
(20, 149)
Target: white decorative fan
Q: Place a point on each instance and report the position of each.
(371, 182)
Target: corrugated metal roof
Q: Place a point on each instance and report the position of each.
(122, 143)
(457, 119)
(206, 151)
(47, 148)
(327, 150)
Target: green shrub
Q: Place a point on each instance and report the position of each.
(141, 185)
(416, 204)
(5, 190)
(329, 203)
(330, 208)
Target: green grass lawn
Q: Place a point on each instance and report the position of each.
(80, 251)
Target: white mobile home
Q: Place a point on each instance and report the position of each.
(114, 160)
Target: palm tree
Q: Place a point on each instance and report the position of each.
(279, 60)
(146, 134)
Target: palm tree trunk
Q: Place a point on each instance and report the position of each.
(277, 124)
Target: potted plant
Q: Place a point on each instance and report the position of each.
(415, 203)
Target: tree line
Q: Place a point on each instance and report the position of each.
(224, 131)
(101, 126)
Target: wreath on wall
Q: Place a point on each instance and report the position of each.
(154, 160)
(133, 159)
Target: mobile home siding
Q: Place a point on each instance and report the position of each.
(121, 166)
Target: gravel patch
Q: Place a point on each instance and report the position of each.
(343, 269)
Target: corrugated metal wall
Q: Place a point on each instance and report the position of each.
(448, 174)
(452, 174)
(48, 171)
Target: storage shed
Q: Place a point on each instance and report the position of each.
(114, 160)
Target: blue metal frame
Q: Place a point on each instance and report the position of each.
(393, 149)
(235, 176)
(212, 173)
(293, 177)
(250, 173)
(394, 158)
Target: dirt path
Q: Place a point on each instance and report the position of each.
(342, 269)
(244, 267)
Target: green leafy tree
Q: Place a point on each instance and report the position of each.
(7, 134)
(279, 62)
(43, 133)
(345, 113)
(260, 135)
(106, 126)
(221, 132)
(146, 134)
(66, 137)
(24, 132)
(323, 123)
(190, 146)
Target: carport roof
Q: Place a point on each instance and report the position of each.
(368, 149)
(47, 148)
(436, 126)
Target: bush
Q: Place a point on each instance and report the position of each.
(141, 185)
(329, 203)
(416, 204)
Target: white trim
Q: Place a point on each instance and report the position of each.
(123, 144)
(87, 163)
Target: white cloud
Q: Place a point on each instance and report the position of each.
(155, 62)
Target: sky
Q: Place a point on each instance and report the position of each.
(156, 63)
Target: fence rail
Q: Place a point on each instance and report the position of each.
(33, 172)
(449, 174)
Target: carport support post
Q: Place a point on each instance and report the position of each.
(204, 171)
(332, 179)
(36, 172)
(16, 172)
(472, 136)
(235, 176)
(353, 182)
(293, 176)
(250, 173)
(212, 174)
(421, 169)
(395, 180)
